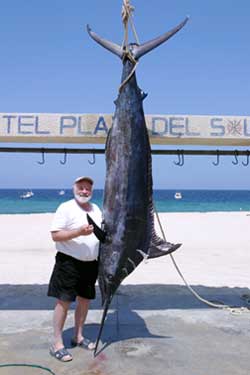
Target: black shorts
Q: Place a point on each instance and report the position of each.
(72, 277)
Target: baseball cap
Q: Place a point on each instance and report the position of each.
(84, 178)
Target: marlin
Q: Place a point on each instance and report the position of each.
(127, 235)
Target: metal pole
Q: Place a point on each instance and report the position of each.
(52, 150)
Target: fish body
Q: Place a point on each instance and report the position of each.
(128, 188)
(128, 212)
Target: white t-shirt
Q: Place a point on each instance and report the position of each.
(69, 215)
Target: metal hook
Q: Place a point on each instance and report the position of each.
(247, 162)
(65, 157)
(236, 157)
(180, 161)
(43, 159)
(92, 162)
(218, 159)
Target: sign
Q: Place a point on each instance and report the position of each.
(93, 128)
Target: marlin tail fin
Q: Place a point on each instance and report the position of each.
(138, 50)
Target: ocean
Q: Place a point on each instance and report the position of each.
(47, 200)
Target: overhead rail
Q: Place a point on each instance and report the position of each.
(57, 150)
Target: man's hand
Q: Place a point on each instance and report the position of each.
(66, 235)
(86, 229)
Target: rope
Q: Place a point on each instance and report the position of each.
(129, 76)
(233, 310)
(26, 365)
(126, 10)
(127, 13)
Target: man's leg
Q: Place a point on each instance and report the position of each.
(60, 314)
(80, 317)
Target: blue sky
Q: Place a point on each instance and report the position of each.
(50, 65)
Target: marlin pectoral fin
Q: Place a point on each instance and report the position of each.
(159, 247)
(99, 233)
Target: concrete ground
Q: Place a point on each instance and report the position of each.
(182, 336)
(155, 325)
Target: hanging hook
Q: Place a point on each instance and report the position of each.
(180, 161)
(43, 159)
(235, 162)
(65, 157)
(218, 159)
(247, 162)
(92, 162)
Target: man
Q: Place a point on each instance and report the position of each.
(75, 271)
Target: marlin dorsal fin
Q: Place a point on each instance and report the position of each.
(159, 247)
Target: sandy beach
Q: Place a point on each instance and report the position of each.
(215, 250)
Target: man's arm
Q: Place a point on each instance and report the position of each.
(66, 235)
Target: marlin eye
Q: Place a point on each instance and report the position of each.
(108, 239)
(110, 278)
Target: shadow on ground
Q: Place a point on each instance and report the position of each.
(134, 297)
(115, 330)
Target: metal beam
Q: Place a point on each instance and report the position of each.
(55, 150)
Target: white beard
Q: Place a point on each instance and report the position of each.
(82, 199)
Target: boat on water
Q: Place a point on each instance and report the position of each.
(177, 195)
(61, 192)
(27, 194)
